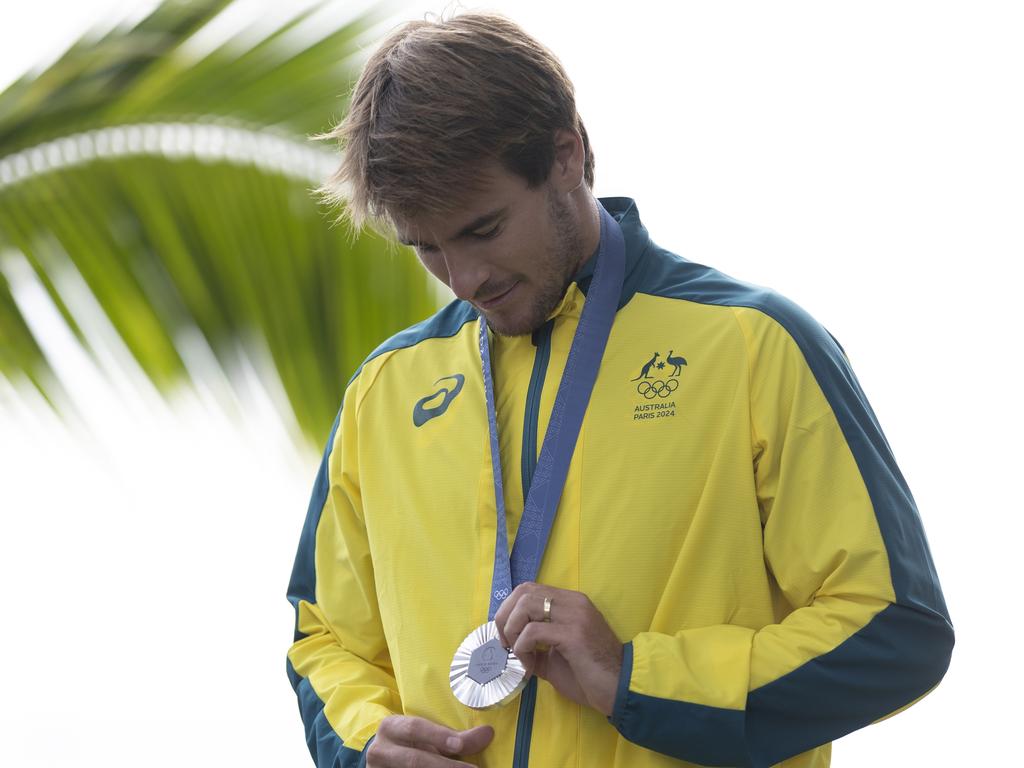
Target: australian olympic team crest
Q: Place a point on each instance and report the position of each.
(656, 386)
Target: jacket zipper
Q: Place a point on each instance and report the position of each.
(542, 340)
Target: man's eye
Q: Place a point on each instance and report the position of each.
(492, 232)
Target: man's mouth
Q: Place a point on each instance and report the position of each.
(498, 299)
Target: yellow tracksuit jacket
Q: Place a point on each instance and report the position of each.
(732, 508)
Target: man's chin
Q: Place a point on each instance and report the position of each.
(507, 327)
(509, 324)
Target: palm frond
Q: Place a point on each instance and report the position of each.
(178, 187)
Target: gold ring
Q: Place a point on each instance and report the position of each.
(547, 609)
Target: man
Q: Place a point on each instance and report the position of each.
(736, 573)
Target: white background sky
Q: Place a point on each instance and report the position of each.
(863, 159)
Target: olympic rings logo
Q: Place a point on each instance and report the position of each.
(657, 388)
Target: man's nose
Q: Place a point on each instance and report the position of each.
(465, 273)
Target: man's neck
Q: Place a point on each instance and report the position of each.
(590, 229)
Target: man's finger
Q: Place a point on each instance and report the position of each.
(529, 608)
(540, 636)
(506, 608)
(391, 755)
(419, 732)
(475, 739)
(526, 604)
(529, 662)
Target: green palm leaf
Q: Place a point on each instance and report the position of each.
(178, 186)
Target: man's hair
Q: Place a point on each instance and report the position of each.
(439, 100)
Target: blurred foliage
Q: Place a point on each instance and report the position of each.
(179, 187)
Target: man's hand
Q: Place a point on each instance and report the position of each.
(403, 741)
(576, 651)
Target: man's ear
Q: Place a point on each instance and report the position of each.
(570, 157)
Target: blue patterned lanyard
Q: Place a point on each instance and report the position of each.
(564, 425)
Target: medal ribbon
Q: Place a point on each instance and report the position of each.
(564, 425)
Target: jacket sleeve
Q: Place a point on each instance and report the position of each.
(338, 664)
(863, 629)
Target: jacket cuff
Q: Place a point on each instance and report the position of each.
(621, 692)
(710, 736)
(362, 755)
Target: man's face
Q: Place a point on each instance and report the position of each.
(509, 250)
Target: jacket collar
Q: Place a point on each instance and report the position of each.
(624, 211)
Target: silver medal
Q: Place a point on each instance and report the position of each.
(484, 674)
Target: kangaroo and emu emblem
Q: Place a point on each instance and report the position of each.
(651, 386)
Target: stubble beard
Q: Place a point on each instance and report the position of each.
(566, 252)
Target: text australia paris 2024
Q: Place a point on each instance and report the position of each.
(657, 387)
